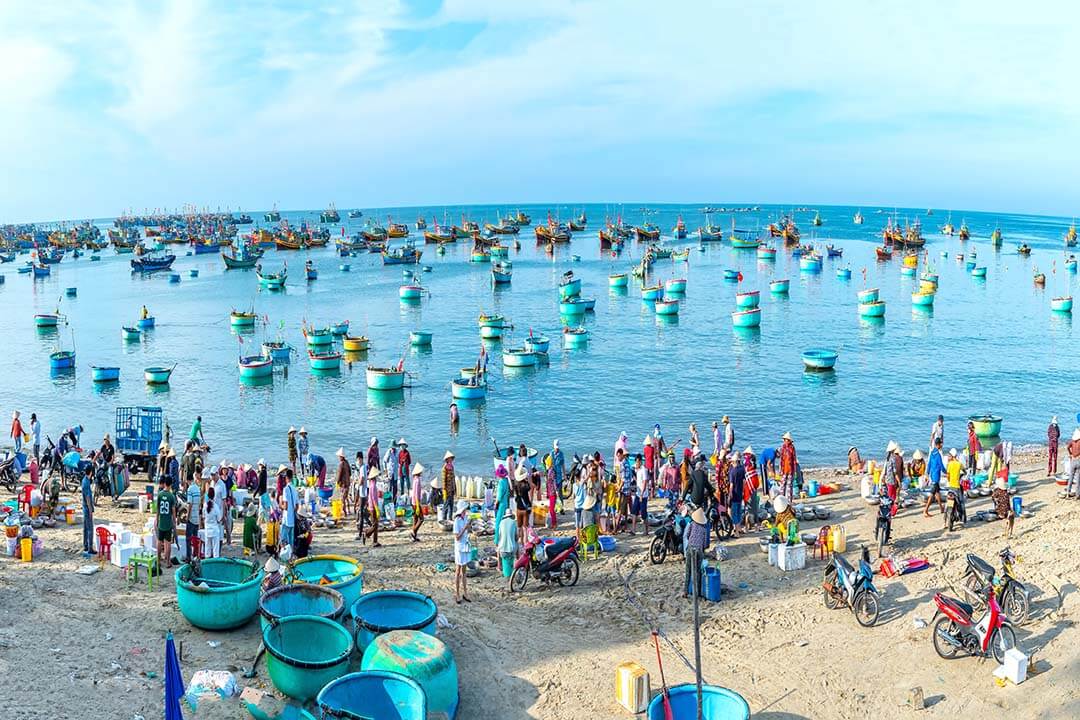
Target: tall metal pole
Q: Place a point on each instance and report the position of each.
(698, 559)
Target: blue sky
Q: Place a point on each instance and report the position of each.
(118, 105)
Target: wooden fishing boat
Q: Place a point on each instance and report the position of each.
(575, 337)
(62, 360)
(680, 255)
(766, 252)
(397, 230)
(316, 241)
(244, 260)
(996, 238)
(323, 361)
(810, 263)
(647, 232)
(658, 253)
(145, 323)
(401, 256)
(817, 219)
(747, 300)
(199, 247)
(575, 227)
(238, 318)
(710, 234)
(746, 318)
(610, 241)
(546, 234)
(438, 237)
(358, 343)
(158, 375)
(355, 214)
(278, 351)
(130, 334)
(1040, 278)
(833, 251)
(679, 231)
(41, 271)
(479, 255)
(152, 264)
(288, 244)
(272, 217)
(740, 241)
(47, 320)
(330, 215)
(501, 273)
(523, 218)
(104, 374)
(255, 366)
(498, 250)
(385, 378)
(883, 253)
(819, 359)
(421, 223)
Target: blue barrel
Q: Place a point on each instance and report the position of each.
(288, 600)
(425, 659)
(717, 704)
(812, 489)
(712, 584)
(304, 653)
(386, 610)
(1018, 505)
(375, 694)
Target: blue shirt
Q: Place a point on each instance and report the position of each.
(768, 456)
(629, 486)
(317, 464)
(558, 461)
(87, 494)
(579, 495)
(936, 466)
(290, 506)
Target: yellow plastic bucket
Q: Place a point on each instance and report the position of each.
(335, 509)
(839, 539)
(26, 549)
(69, 516)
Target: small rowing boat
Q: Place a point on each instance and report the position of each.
(819, 359)
(100, 374)
(255, 366)
(324, 361)
(358, 343)
(385, 378)
(158, 375)
(746, 318)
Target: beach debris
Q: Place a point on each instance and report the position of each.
(210, 684)
(108, 637)
(919, 623)
(213, 643)
(87, 569)
(442, 622)
(802, 643)
(915, 698)
(268, 704)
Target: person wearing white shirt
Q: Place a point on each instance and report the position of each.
(212, 525)
(462, 551)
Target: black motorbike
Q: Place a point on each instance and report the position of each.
(7, 474)
(668, 538)
(720, 522)
(1011, 594)
(567, 487)
(883, 527)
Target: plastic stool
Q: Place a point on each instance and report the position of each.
(105, 540)
(142, 559)
(589, 537)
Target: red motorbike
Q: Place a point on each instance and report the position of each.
(958, 632)
(551, 562)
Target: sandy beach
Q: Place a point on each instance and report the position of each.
(75, 645)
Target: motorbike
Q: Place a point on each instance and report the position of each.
(553, 562)
(1011, 594)
(954, 508)
(957, 631)
(567, 487)
(883, 527)
(668, 538)
(844, 585)
(720, 521)
(7, 474)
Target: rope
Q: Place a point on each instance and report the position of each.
(651, 620)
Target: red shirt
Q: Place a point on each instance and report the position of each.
(787, 458)
(974, 445)
(650, 458)
(404, 460)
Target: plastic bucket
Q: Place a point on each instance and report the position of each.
(69, 516)
(26, 549)
(304, 653)
(1018, 505)
(712, 584)
(335, 509)
(386, 610)
(288, 600)
(376, 694)
(425, 659)
(717, 704)
(812, 489)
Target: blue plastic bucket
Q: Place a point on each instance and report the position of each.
(1018, 504)
(607, 543)
(712, 584)
(717, 704)
(812, 490)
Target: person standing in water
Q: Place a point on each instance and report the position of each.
(454, 417)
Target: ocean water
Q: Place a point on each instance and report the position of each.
(990, 345)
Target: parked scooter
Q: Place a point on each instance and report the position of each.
(554, 562)
(844, 585)
(668, 538)
(957, 631)
(954, 508)
(1011, 594)
(883, 527)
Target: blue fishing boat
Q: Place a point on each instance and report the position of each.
(573, 306)
(255, 366)
(779, 287)
(152, 264)
(375, 694)
(174, 278)
(101, 374)
(158, 375)
(843, 273)
(747, 300)
(410, 292)
(868, 296)
(1062, 304)
(969, 265)
(872, 309)
(819, 359)
(25, 269)
(575, 337)
(618, 280)
(519, 357)
(675, 286)
(537, 343)
(569, 287)
(278, 351)
(731, 274)
(652, 292)
(908, 271)
(239, 319)
(46, 320)
(385, 378)
(406, 255)
(145, 323)
(318, 338)
(340, 328)
(273, 281)
(41, 271)
(667, 307)
(978, 272)
(746, 318)
(71, 292)
(501, 272)
(468, 389)
(323, 361)
(922, 299)
(130, 334)
(193, 272)
(62, 360)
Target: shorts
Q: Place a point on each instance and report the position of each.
(935, 489)
(164, 535)
(643, 508)
(462, 557)
(736, 513)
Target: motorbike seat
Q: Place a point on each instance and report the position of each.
(843, 564)
(966, 608)
(557, 547)
(980, 567)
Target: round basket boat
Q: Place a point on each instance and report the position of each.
(422, 657)
(304, 653)
(338, 572)
(375, 694)
(225, 594)
(386, 610)
(819, 359)
(717, 703)
(300, 599)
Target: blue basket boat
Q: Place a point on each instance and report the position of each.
(225, 594)
(305, 653)
(130, 334)
(717, 703)
(145, 323)
(339, 572)
(423, 658)
(62, 360)
(300, 599)
(779, 287)
(467, 389)
(374, 694)
(386, 610)
(384, 378)
(819, 359)
(101, 374)
(746, 318)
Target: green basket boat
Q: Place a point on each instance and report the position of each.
(872, 309)
(922, 299)
(986, 425)
(338, 572)
(747, 300)
(423, 658)
(619, 280)
(420, 338)
(385, 378)
(305, 653)
(242, 319)
(255, 366)
(158, 375)
(130, 334)
(575, 337)
(746, 318)
(225, 595)
(667, 307)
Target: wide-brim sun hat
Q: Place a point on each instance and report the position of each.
(449, 455)
(952, 452)
(272, 565)
(303, 511)
(373, 473)
(590, 502)
(917, 455)
(417, 469)
(698, 516)
(292, 428)
(780, 504)
(725, 419)
(401, 443)
(786, 436)
(262, 462)
(892, 447)
(281, 468)
(374, 441)
(303, 431)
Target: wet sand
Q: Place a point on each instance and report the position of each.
(82, 646)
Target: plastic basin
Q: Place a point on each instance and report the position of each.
(388, 610)
(303, 599)
(375, 694)
(304, 653)
(717, 704)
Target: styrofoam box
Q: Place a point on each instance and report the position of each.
(791, 557)
(120, 554)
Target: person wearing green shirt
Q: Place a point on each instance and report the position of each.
(196, 431)
(166, 522)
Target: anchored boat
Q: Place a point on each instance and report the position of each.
(385, 378)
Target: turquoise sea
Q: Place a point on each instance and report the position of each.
(990, 345)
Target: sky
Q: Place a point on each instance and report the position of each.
(378, 103)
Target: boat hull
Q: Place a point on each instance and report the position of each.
(145, 323)
(1062, 304)
(872, 309)
(570, 290)
(868, 296)
(420, 338)
(667, 307)
(256, 366)
(922, 299)
(618, 281)
(324, 361)
(279, 353)
(747, 300)
(746, 318)
(819, 359)
(986, 425)
(519, 358)
(104, 374)
(385, 379)
(463, 389)
(654, 292)
(537, 343)
(157, 375)
(356, 344)
(779, 287)
(62, 360)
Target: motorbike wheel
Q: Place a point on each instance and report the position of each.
(866, 608)
(1003, 640)
(883, 538)
(1015, 605)
(724, 526)
(570, 571)
(952, 517)
(518, 578)
(657, 550)
(832, 602)
(944, 649)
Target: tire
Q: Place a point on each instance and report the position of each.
(1015, 605)
(831, 601)
(518, 579)
(570, 571)
(883, 537)
(724, 527)
(657, 550)
(944, 649)
(1003, 640)
(866, 608)
(952, 518)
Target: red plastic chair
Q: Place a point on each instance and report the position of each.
(105, 540)
(24, 497)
